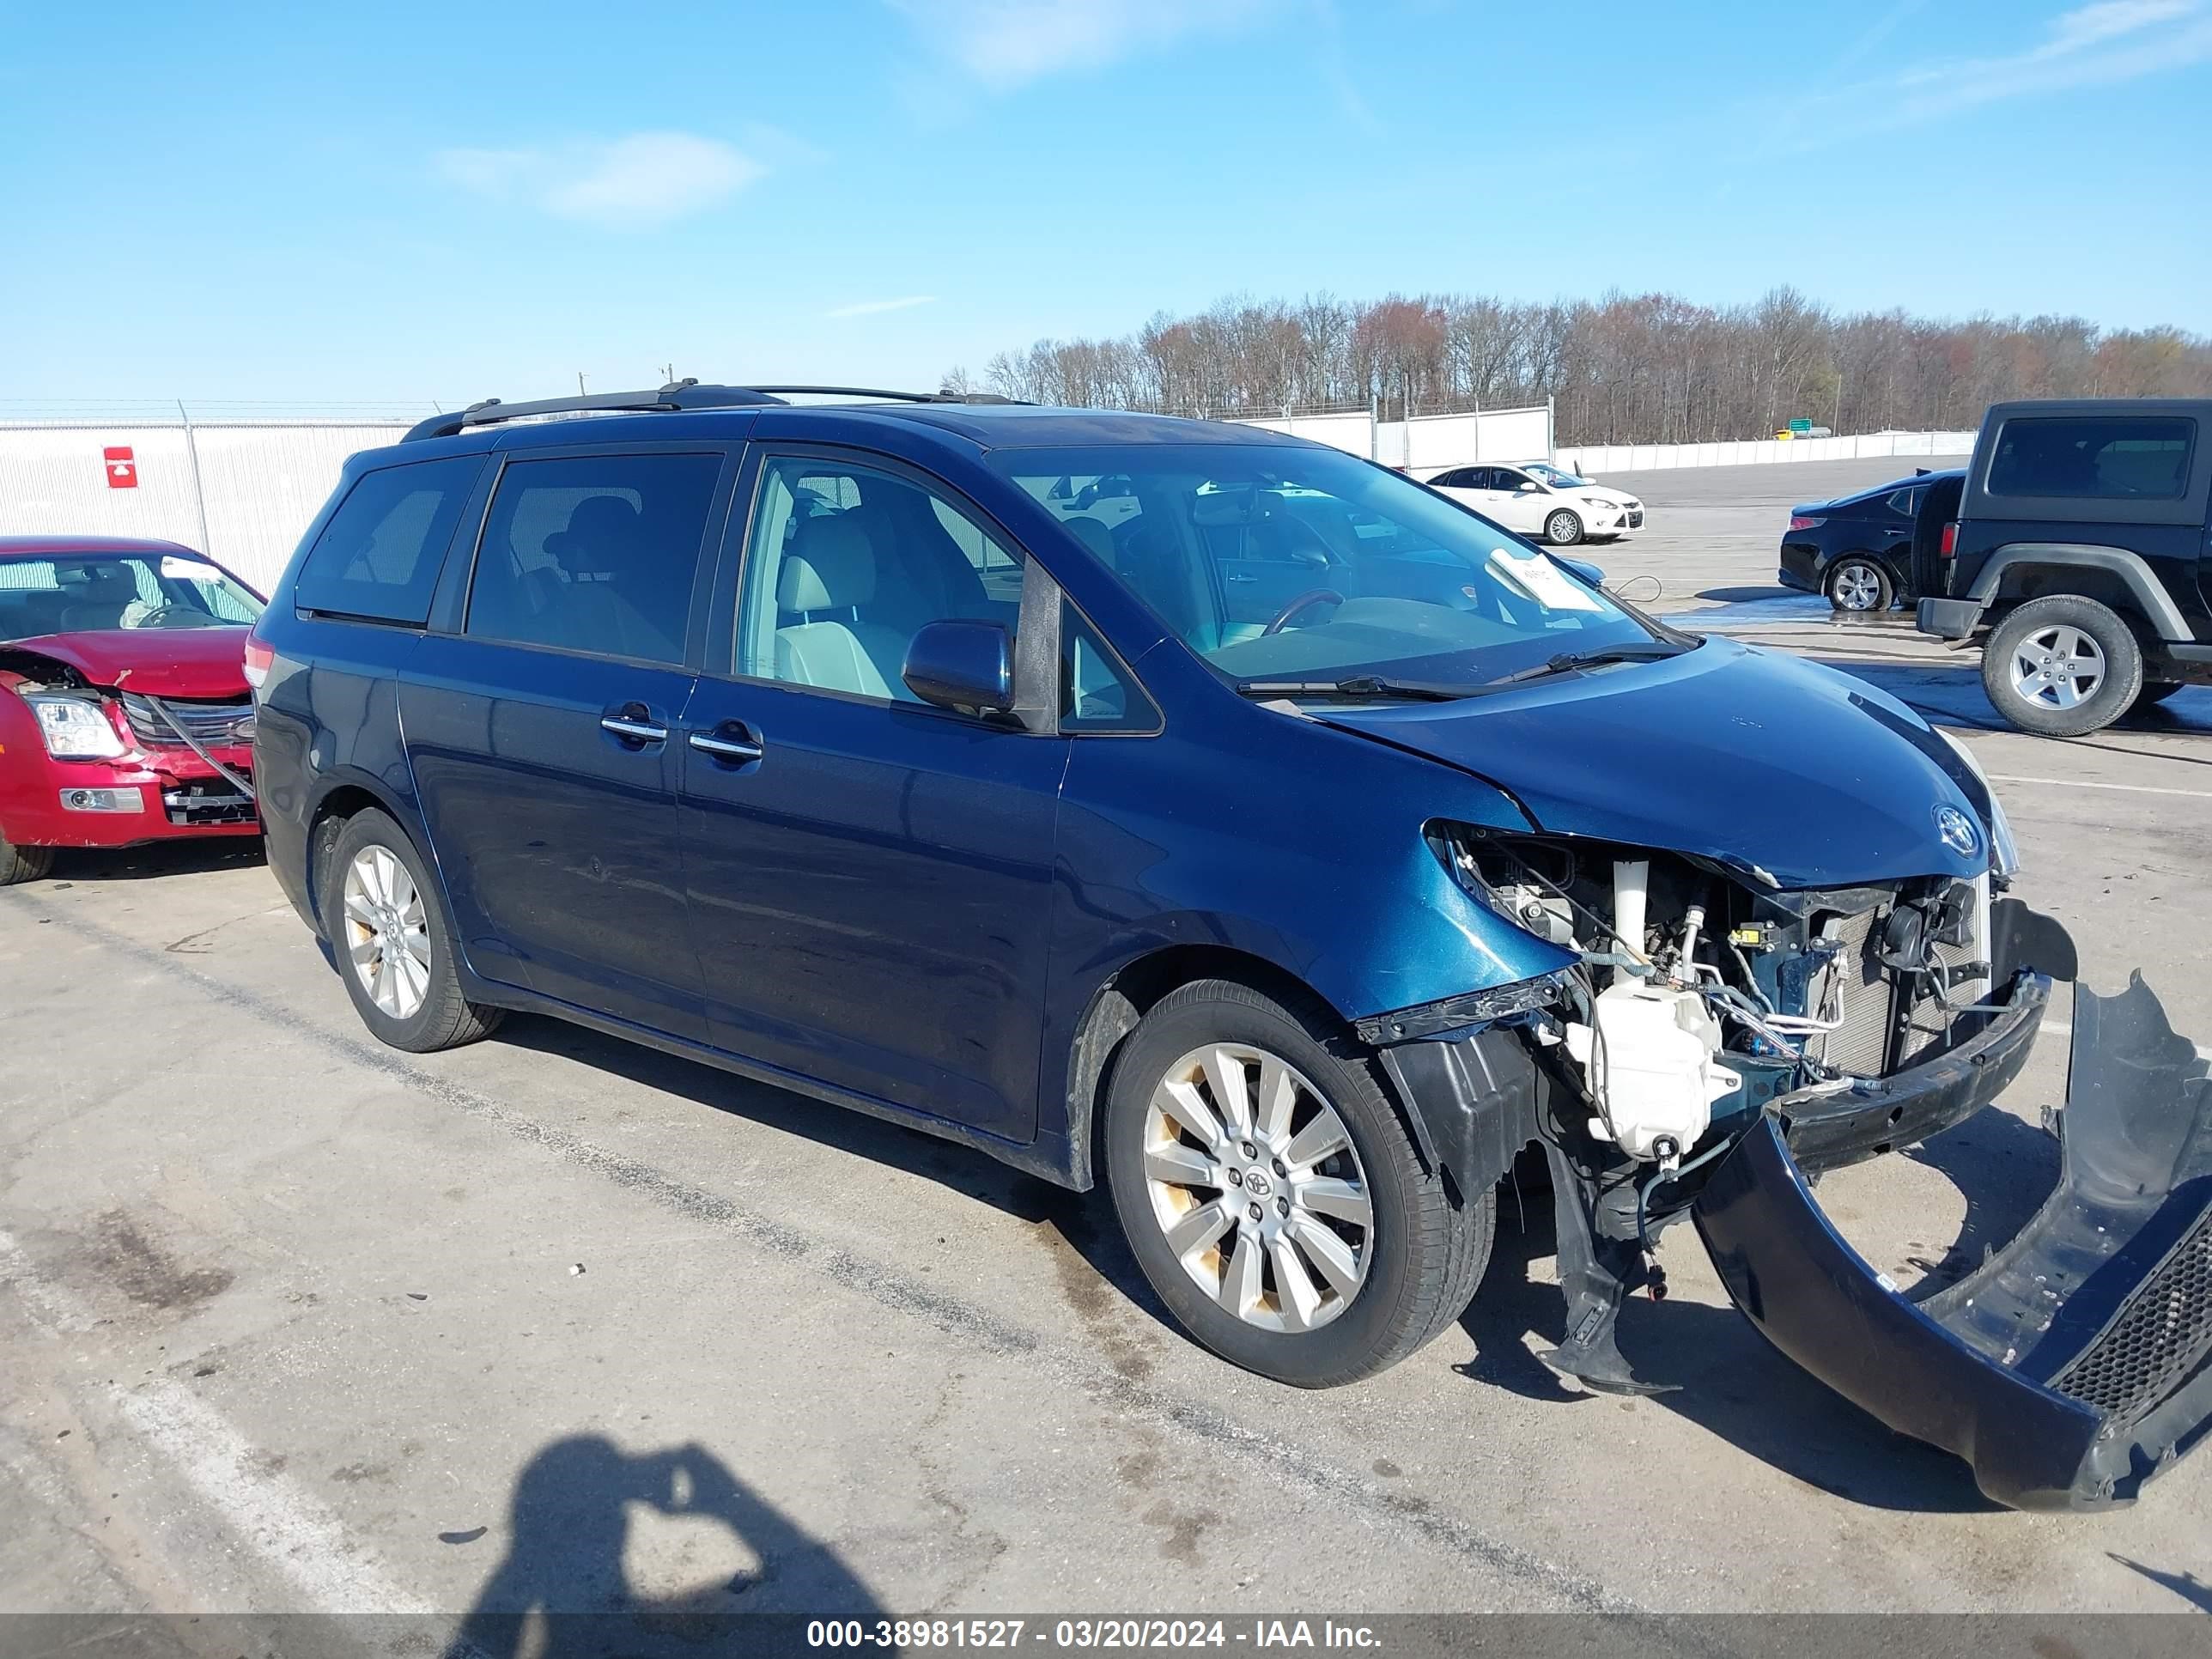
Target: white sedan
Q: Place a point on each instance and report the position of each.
(1537, 499)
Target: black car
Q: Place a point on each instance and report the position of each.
(2079, 544)
(1858, 549)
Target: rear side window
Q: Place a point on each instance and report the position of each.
(596, 553)
(2102, 457)
(379, 556)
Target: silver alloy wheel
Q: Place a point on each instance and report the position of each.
(1856, 586)
(1562, 527)
(1257, 1188)
(387, 932)
(2059, 667)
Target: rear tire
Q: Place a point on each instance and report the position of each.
(1563, 528)
(394, 949)
(23, 863)
(1859, 586)
(2062, 666)
(1323, 1298)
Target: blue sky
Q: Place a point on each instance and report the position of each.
(401, 201)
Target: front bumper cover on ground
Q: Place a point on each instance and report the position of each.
(2077, 1363)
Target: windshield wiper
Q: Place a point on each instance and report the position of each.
(1567, 661)
(1364, 686)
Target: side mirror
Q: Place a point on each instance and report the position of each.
(1527, 487)
(1582, 568)
(967, 665)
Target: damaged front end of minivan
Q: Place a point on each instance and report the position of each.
(1717, 1041)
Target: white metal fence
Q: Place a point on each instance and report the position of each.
(1591, 459)
(241, 492)
(1428, 441)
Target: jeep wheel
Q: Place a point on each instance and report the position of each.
(393, 947)
(1858, 585)
(1563, 528)
(23, 863)
(2062, 666)
(1271, 1193)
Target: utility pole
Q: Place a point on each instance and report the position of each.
(199, 490)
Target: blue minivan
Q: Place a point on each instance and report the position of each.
(1184, 807)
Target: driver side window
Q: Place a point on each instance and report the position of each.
(845, 564)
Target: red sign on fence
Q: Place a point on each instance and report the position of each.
(122, 468)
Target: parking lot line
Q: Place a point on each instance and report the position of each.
(2086, 783)
(286, 1527)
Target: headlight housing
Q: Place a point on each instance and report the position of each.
(2004, 856)
(1601, 501)
(75, 728)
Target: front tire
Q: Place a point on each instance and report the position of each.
(1563, 528)
(394, 949)
(19, 864)
(1271, 1195)
(2062, 666)
(1858, 585)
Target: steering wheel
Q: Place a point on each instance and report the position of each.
(154, 617)
(1311, 596)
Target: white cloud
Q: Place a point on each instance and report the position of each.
(1005, 44)
(2103, 44)
(871, 308)
(2109, 18)
(2099, 45)
(644, 180)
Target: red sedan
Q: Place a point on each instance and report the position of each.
(125, 713)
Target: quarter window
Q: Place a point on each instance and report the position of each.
(1096, 692)
(597, 553)
(846, 564)
(2101, 457)
(379, 556)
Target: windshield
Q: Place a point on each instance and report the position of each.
(1553, 477)
(68, 594)
(1288, 563)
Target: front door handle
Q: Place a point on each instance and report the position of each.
(729, 743)
(1241, 579)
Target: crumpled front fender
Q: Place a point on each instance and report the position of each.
(2077, 1363)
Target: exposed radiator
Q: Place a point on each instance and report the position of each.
(1858, 990)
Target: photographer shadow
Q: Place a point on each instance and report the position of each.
(564, 1589)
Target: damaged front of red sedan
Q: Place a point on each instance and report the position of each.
(124, 711)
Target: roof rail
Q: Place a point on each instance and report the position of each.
(676, 395)
(944, 396)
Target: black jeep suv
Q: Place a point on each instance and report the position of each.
(2079, 544)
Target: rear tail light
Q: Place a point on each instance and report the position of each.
(1949, 548)
(258, 656)
(1799, 521)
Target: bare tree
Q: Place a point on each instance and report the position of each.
(1628, 368)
